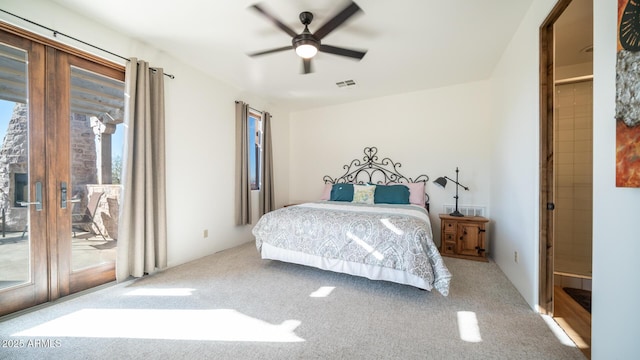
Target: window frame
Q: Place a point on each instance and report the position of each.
(254, 148)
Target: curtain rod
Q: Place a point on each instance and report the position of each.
(250, 108)
(56, 33)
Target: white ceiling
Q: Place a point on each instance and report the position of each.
(412, 44)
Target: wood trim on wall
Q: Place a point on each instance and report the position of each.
(546, 242)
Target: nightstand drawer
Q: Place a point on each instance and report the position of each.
(449, 227)
(450, 237)
(449, 247)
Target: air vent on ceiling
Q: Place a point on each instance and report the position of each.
(346, 83)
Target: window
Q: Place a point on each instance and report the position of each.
(255, 148)
(21, 189)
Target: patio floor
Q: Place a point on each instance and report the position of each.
(88, 249)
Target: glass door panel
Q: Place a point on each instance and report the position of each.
(97, 107)
(14, 165)
(23, 252)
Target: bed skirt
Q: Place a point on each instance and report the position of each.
(340, 266)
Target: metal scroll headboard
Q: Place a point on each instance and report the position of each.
(371, 171)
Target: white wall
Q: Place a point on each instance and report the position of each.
(200, 134)
(616, 240)
(515, 155)
(428, 132)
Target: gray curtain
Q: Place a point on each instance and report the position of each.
(243, 185)
(267, 198)
(142, 234)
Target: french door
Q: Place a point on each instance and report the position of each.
(60, 160)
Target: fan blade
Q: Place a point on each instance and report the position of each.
(342, 51)
(306, 66)
(274, 20)
(337, 20)
(271, 51)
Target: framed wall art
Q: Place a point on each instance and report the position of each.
(628, 95)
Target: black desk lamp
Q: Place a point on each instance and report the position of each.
(442, 181)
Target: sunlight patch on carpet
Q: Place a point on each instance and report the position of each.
(323, 291)
(161, 292)
(557, 331)
(468, 327)
(206, 325)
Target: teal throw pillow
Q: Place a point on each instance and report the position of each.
(391, 194)
(341, 192)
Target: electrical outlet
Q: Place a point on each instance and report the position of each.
(205, 233)
(515, 256)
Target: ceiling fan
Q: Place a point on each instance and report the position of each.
(307, 44)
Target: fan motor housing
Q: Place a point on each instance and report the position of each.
(305, 38)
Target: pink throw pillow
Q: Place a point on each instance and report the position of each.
(326, 193)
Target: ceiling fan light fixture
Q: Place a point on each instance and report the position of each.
(306, 51)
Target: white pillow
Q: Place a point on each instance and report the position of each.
(363, 194)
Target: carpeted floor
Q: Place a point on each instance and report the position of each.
(582, 297)
(233, 305)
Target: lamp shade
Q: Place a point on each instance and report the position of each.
(441, 181)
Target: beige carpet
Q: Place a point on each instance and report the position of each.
(233, 305)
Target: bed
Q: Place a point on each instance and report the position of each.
(372, 222)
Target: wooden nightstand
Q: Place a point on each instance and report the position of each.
(464, 237)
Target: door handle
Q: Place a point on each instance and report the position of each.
(38, 202)
(63, 195)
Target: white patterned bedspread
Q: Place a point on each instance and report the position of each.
(395, 239)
